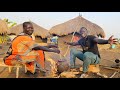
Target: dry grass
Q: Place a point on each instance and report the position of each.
(3, 27)
(75, 25)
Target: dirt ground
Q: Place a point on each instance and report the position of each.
(107, 59)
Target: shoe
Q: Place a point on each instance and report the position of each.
(84, 76)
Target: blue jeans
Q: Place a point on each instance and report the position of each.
(87, 58)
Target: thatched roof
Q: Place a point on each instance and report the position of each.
(75, 25)
(3, 27)
(38, 30)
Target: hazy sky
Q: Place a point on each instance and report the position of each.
(109, 21)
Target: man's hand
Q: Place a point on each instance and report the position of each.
(57, 51)
(112, 40)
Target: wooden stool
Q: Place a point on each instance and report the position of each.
(92, 68)
(17, 66)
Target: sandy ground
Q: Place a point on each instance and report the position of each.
(107, 59)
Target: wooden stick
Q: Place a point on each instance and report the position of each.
(112, 68)
(101, 75)
(69, 45)
(113, 74)
(60, 57)
(17, 72)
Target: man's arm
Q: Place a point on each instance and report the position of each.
(100, 41)
(73, 43)
(51, 46)
(46, 49)
(110, 41)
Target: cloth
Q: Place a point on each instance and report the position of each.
(54, 40)
(22, 45)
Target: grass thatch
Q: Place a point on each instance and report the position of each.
(38, 30)
(75, 25)
(3, 27)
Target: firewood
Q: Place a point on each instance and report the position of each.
(102, 75)
(113, 74)
(68, 74)
(53, 66)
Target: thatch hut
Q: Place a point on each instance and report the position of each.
(75, 25)
(3, 27)
(4, 38)
(40, 33)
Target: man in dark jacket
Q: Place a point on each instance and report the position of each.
(90, 53)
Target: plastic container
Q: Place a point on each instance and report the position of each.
(113, 46)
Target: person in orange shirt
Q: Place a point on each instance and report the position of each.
(25, 50)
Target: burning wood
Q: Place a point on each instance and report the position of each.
(53, 66)
(68, 74)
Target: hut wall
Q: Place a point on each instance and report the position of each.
(38, 39)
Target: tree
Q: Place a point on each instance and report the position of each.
(10, 23)
(4, 38)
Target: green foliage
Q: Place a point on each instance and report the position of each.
(13, 24)
(10, 23)
(4, 39)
